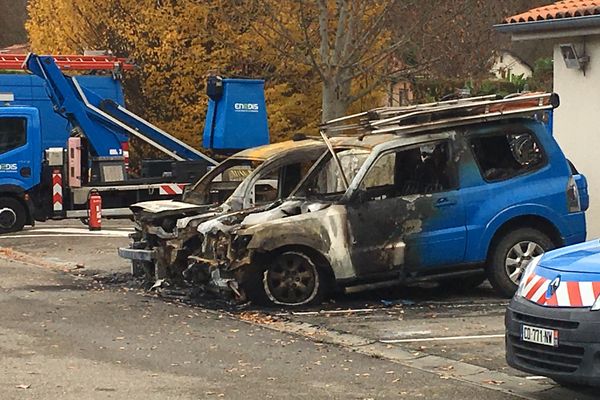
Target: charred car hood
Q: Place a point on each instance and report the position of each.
(163, 208)
(259, 217)
(232, 220)
(288, 209)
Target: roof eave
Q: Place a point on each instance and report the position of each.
(551, 28)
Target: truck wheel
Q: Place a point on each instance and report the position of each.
(12, 215)
(291, 280)
(511, 255)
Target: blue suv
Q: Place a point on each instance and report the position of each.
(455, 205)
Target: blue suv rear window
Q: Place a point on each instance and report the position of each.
(502, 156)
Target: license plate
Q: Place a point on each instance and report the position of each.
(533, 334)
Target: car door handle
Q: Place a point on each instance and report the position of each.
(445, 202)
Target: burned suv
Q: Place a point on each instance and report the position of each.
(166, 230)
(454, 200)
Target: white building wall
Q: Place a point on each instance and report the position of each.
(577, 121)
(506, 66)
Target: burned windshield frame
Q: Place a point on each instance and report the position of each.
(198, 193)
(301, 190)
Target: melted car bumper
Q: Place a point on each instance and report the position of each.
(137, 254)
(576, 357)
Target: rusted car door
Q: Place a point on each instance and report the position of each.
(407, 211)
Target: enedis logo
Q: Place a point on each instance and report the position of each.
(8, 168)
(245, 107)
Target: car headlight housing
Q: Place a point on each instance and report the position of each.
(526, 275)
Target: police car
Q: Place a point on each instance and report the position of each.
(553, 321)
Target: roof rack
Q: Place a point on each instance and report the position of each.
(71, 62)
(441, 114)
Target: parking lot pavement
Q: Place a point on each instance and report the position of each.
(465, 328)
(458, 335)
(403, 342)
(63, 338)
(72, 244)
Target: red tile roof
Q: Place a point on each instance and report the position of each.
(559, 10)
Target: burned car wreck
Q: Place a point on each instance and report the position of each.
(291, 252)
(405, 207)
(166, 230)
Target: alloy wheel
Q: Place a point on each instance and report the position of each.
(519, 256)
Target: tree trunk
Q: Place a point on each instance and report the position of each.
(335, 99)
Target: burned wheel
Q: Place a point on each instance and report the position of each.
(511, 255)
(292, 280)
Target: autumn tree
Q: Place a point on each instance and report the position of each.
(340, 41)
(358, 47)
(320, 58)
(175, 44)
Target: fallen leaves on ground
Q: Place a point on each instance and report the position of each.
(13, 255)
(493, 382)
(257, 318)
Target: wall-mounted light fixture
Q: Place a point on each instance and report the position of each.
(573, 60)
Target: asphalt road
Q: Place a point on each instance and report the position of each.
(72, 327)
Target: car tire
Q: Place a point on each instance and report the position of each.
(292, 279)
(12, 215)
(511, 254)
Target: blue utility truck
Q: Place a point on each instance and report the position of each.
(49, 164)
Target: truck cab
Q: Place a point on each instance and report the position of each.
(20, 164)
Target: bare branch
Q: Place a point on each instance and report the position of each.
(369, 36)
(282, 32)
(349, 39)
(324, 31)
(361, 68)
(365, 91)
(304, 24)
(342, 6)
